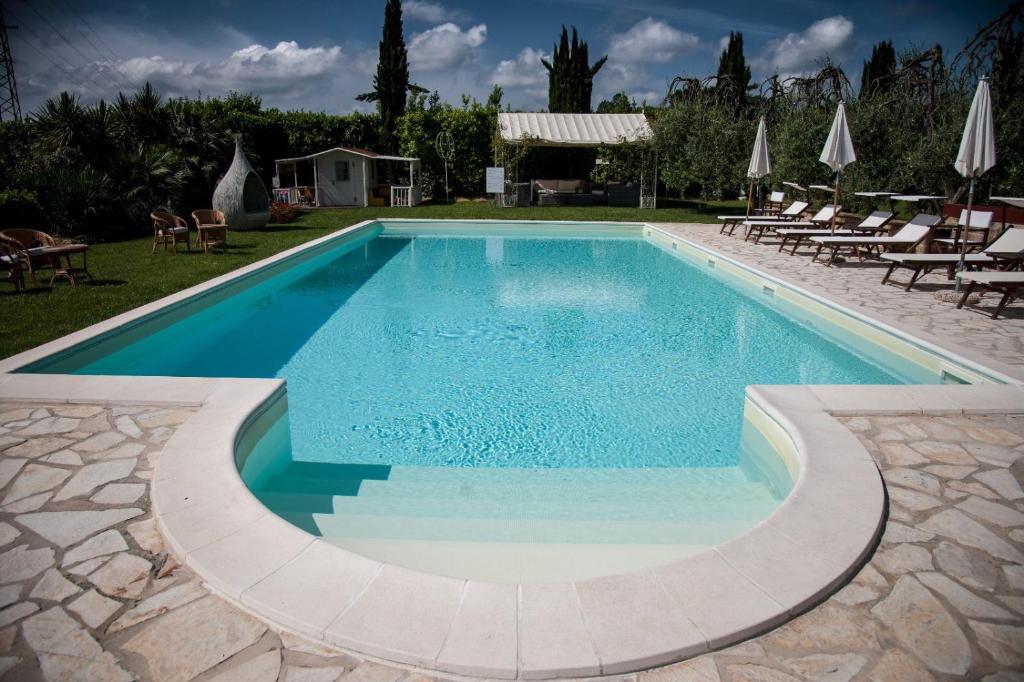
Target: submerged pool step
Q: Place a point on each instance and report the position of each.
(621, 506)
(598, 531)
(726, 505)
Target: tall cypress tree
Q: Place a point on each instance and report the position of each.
(391, 83)
(570, 75)
(733, 72)
(879, 70)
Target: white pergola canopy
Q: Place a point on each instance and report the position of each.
(573, 130)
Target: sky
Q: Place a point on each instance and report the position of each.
(318, 55)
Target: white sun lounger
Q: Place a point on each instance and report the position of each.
(792, 212)
(908, 236)
(823, 216)
(1006, 249)
(980, 220)
(875, 222)
(1007, 283)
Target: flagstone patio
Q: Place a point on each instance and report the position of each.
(88, 590)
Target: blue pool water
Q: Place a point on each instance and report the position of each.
(503, 352)
(509, 408)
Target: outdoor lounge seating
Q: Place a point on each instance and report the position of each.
(13, 262)
(1006, 283)
(169, 229)
(875, 222)
(760, 226)
(563, 193)
(773, 204)
(1005, 252)
(980, 221)
(792, 212)
(906, 239)
(31, 242)
(212, 229)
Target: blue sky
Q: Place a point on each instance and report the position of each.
(318, 54)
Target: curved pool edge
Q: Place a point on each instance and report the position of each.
(612, 624)
(814, 541)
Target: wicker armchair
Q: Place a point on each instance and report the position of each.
(30, 240)
(13, 262)
(212, 228)
(169, 229)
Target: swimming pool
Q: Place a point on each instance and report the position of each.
(507, 402)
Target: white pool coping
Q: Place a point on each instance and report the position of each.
(808, 547)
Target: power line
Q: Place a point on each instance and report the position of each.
(67, 72)
(88, 61)
(79, 20)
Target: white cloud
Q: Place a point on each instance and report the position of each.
(445, 46)
(650, 41)
(798, 52)
(525, 71)
(256, 67)
(430, 12)
(723, 43)
(523, 79)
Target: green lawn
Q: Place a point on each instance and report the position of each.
(127, 276)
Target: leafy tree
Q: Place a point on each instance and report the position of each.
(733, 81)
(391, 84)
(618, 104)
(571, 75)
(879, 70)
(494, 99)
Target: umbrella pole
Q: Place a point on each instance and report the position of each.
(835, 202)
(750, 196)
(964, 233)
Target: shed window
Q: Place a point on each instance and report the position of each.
(341, 171)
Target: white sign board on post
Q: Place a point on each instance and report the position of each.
(495, 180)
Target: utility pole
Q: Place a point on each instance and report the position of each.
(10, 108)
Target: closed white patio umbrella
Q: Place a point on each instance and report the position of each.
(838, 152)
(760, 164)
(977, 153)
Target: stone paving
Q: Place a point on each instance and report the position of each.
(88, 590)
(858, 285)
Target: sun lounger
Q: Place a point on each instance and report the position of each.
(875, 222)
(980, 220)
(908, 237)
(1007, 283)
(792, 212)
(773, 205)
(1005, 250)
(822, 217)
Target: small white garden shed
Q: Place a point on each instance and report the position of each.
(347, 176)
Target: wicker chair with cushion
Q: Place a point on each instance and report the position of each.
(169, 229)
(212, 228)
(31, 241)
(13, 262)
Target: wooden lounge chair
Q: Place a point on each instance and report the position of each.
(1007, 251)
(13, 262)
(792, 212)
(169, 229)
(31, 242)
(906, 239)
(760, 226)
(211, 227)
(980, 221)
(875, 222)
(1006, 283)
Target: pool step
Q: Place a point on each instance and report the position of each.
(469, 529)
(604, 506)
